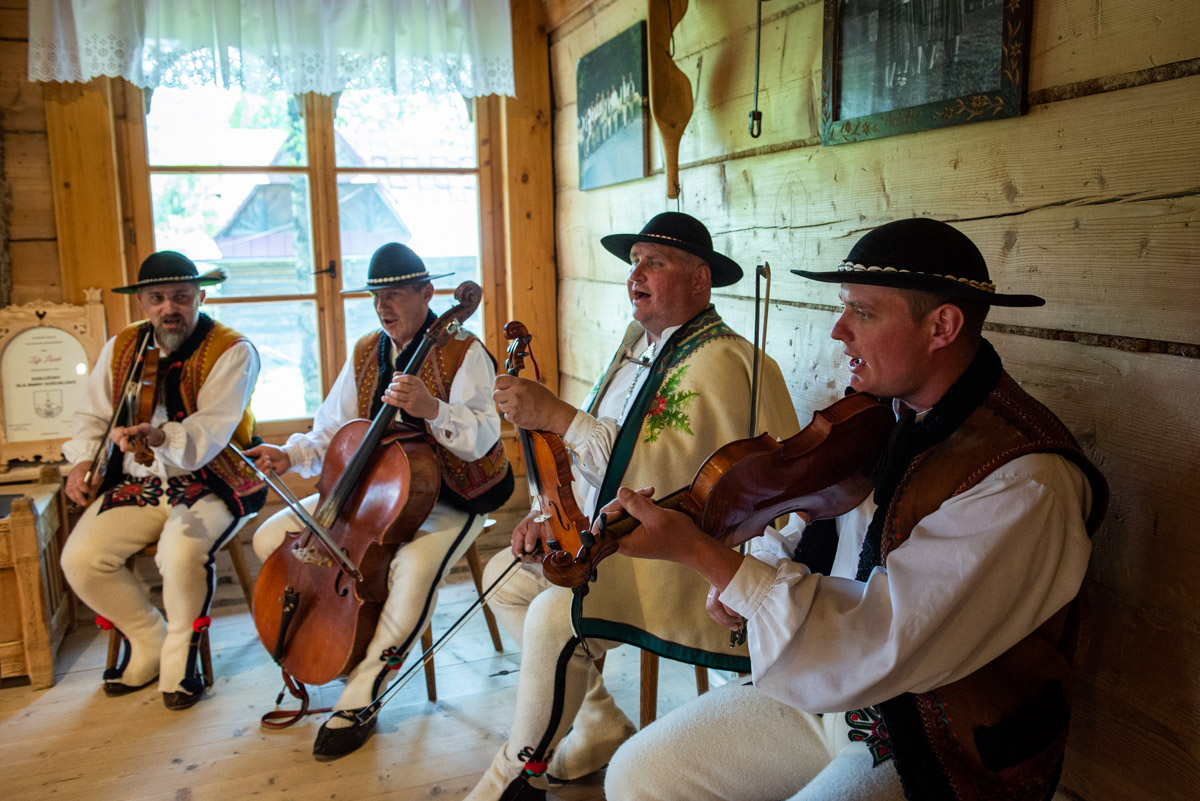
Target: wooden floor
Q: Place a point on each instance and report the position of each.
(73, 742)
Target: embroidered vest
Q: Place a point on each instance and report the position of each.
(477, 486)
(180, 377)
(1000, 732)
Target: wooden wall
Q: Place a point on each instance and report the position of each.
(1092, 200)
(27, 237)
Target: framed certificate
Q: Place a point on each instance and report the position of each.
(46, 353)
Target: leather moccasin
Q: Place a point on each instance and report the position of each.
(332, 743)
(181, 700)
(115, 688)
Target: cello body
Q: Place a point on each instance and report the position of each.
(335, 616)
(317, 612)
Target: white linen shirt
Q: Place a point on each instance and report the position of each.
(191, 443)
(590, 439)
(973, 579)
(467, 426)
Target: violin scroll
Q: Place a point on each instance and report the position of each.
(468, 295)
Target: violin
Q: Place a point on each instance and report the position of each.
(822, 472)
(147, 400)
(315, 608)
(132, 395)
(547, 464)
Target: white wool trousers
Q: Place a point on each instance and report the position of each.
(188, 538)
(559, 688)
(737, 744)
(413, 578)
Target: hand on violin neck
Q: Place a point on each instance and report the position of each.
(409, 393)
(529, 405)
(123, 436)
(270, 457)
(672, 536)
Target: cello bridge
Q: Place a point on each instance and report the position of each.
(311, 556)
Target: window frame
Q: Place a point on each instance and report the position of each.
(130, 105)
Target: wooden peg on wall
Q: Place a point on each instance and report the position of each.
(670, 89)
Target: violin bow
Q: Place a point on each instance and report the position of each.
(285, 493)
(763, 271)
(372, 709)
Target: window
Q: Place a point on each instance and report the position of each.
(291, 196)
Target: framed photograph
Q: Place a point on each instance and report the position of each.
(46, 353)
(897, 66)
(613, 123)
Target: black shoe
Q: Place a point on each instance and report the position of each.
(182, 700)
(521, 790)
(115, 688)
(333, 743)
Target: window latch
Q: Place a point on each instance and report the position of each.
(331, 269)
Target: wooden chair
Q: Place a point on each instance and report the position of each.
(649, 685)
(240, 567)
(472, 557)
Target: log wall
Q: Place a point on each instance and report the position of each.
(1091, 199)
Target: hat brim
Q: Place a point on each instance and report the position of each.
(394, 284)
(198, 280)
(921, 283)
(725, 271)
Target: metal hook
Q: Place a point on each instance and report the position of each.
(756, 115)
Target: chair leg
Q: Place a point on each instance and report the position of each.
(430, 679)
(237, 555)
(114, 648)
(206, 659)
(649, 688)
(701, 680)
(477, 574)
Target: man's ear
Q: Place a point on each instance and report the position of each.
(202, 296)
(946, 325)
(427, 292)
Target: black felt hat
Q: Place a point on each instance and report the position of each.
(678, 230)
(394, 265)
(925, 255)
(167, 266)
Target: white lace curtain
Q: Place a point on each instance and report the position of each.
(323, 46)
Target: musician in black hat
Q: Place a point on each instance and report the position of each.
(920, 645)
(678, 387)
(451, 398)
(189, 494)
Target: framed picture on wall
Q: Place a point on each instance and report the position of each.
(897, 66)
(613, 125)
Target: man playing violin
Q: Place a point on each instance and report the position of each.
(678, 388)
(919, 645)
(450, 397)
(187, 493)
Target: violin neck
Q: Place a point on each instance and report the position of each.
(346, 483)
(678, 501)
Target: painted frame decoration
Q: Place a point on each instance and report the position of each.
(46, 353)
(611, 119)
(892, 67)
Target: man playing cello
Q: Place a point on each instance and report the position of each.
(451, 398)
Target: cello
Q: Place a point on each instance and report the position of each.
(547, 464)
(316, 611)
(823, 471)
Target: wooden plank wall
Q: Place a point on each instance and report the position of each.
(1090, 200)
(31, 246)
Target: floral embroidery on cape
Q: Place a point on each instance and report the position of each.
(666, 411)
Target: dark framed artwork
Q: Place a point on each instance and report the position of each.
(613, 124)
(897, 66)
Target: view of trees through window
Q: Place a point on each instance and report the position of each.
(233, 180)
